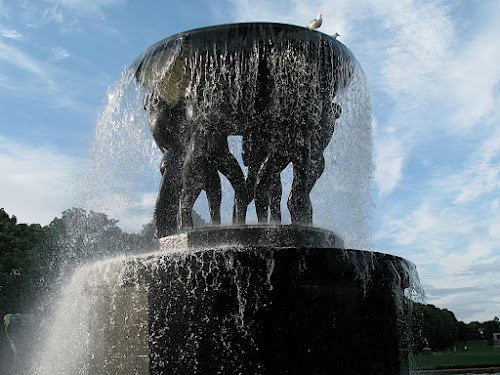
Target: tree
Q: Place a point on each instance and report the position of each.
(489, 328)
(19, 247)
(434, 327)
(82, 236)
(471, 331)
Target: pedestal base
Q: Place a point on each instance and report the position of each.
(264, 309)
(277, 307)
(250, 236)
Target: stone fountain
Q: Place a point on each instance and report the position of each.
(253, 299)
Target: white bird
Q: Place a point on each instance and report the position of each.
(315, 23)
(334, 36)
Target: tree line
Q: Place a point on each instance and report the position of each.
(439, 329)
(34, 258)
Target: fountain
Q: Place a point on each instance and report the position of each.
(265, 298)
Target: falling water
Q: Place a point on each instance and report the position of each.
(123, 176)
(114, 316)
(102, 321)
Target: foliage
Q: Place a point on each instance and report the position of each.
(81, 236)
(19, 274)
(33, 258)
(477, 331)
(435, 328)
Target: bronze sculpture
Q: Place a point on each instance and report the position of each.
(199, 93)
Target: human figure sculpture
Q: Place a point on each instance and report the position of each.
(305, 152)
(165, 125)
(209, 149)
(274, 92)
(187, 168)
(194, 154)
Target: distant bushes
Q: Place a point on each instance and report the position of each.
(439, 329)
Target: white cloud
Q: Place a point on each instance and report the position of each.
(10, 34)
(38, 79)
(481, 175)
(59, 53)
(86, 7)
(35, 181)
(4, 11)
(477, 181)
(53, 14)
(389, 164)
(473, 74)
(17, 57)
(494, 231)
(417, 228)
(417, 39)
(495, 204)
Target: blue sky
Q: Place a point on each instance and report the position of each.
(434, 75)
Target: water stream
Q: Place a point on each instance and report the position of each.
(107, 307)
(123, 177)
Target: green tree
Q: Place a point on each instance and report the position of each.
(489, 328)
(471, 331)
(436, 328)
(80, 236)
(19, 272)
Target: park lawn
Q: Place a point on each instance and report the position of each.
(480, 355)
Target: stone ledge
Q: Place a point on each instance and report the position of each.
(273, 235)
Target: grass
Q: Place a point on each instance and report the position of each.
(480, 355)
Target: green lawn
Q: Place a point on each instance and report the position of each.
(481, 355)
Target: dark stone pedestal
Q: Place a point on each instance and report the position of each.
(271, 309)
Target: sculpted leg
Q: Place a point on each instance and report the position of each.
(268, 187)
(167, 202)
(255, 150)
(199, 173)
(214, 193)
(226, 163)
(299, 202)
(192, 185)
(273, 199)
(316, 169)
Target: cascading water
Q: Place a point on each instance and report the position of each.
(115, 316)
(123, 174)
(258, 308)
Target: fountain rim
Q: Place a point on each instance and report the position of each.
(224, 26)
(180, 36)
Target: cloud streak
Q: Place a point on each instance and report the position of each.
(35, 181)
(94, 8)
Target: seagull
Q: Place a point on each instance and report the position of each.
(315, 23)
(334, 36)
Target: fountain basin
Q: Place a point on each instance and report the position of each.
(259, 310)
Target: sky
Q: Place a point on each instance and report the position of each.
(434, 75)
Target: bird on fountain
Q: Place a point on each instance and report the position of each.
(334, 36)
(315, 23)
